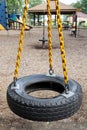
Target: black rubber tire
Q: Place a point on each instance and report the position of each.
(48, 109)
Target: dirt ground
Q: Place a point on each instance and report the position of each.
(35, 61)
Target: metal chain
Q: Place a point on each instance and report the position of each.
(65, 72)
(21, 41)
(49, 38)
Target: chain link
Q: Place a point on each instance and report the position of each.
(65, 72)
(21, 41)
(49, 37)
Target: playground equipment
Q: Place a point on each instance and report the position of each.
(74, 27)
(3, 15)
(11, 22)
(16, 23)
(43, 40)
(1, 27)
(44, 109)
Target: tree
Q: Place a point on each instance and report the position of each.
(84, 6)
(35, 2)
(77, 5)
(14, 6)
(81, 5)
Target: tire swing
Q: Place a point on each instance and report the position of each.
(44, 109)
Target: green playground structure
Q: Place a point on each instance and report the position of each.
(16, 23)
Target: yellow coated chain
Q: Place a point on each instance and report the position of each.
(65, 72)
(21, 41)
(49, 38)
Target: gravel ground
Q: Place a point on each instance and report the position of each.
(35, 61)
